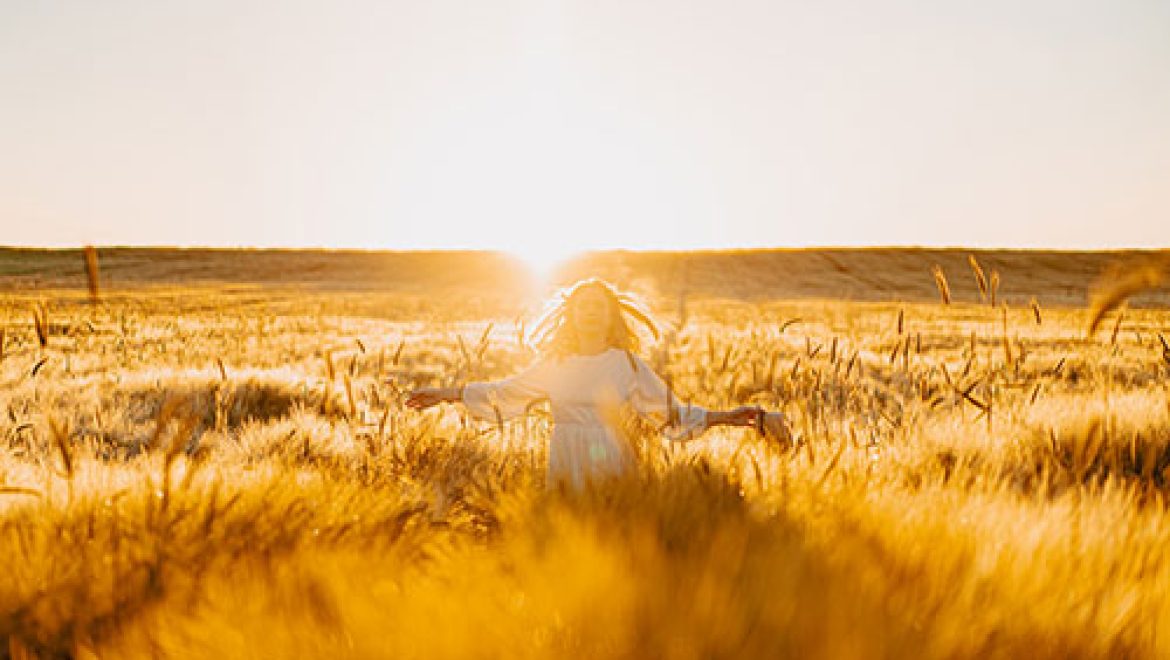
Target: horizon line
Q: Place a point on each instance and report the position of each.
(583, 252)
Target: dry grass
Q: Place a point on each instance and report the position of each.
(185, 473)
(944, 289)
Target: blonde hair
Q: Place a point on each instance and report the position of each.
(553, 336)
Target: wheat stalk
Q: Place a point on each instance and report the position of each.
(1116, 328)
(91, 272)
(1007, 346)
(350, 398)
(19, 490)
(41, 325)
(940, 281)
(382, 423)
(61, 441)
(980, 278)
(1117, 287)
(178, 444)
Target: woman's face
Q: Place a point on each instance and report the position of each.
(591, 313)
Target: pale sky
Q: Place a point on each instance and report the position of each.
(585, 124)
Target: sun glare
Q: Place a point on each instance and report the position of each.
(543, 259)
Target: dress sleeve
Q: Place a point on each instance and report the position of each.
(653, 400)
(504, 399)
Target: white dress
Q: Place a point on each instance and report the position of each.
(588, 394)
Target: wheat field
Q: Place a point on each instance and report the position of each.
(205, 458)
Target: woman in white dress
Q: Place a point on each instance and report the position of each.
(589, 371)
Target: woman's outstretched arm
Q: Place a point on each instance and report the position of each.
(493, 401)
(425, 397)
(741, 416)
(652, 398)
(769, 424)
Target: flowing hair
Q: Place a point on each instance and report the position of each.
(553, 336)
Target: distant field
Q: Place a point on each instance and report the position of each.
(874, 275)
(214, 461)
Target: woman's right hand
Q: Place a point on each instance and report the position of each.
(775, 425)
(425, 397)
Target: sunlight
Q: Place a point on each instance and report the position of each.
(543, 258)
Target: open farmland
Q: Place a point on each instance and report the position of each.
(210, 462)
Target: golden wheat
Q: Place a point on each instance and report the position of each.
(933, 500)
(91, 272)
(980, 277)
(940, 280)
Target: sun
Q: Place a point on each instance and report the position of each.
(543, 259)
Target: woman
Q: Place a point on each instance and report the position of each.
(589, 371)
